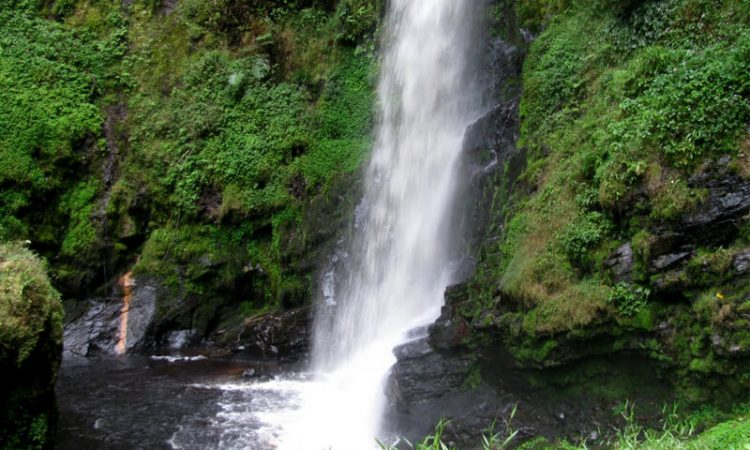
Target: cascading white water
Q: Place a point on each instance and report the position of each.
(400, 259)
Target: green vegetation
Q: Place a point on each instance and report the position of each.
(129, 129)
(29, 305)
(50, 78)
(677, 432)
(185, 140)
(623, 103)
(233, 140)
(629, 299)
(211, 146)
(30, 343)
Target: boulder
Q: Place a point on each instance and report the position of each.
(30, 350)
(620, 263)
(283, 335)
(741, 262)
(408, 385)
(98, 329)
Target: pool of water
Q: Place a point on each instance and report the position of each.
(140, 402)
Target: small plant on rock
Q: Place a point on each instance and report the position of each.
(629, 298)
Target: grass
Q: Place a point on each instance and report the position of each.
(491, 439)
(676, 433)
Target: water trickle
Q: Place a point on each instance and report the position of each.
(405, 232)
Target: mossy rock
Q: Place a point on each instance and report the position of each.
(31, 316)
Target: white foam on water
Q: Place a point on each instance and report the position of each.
(172, 359)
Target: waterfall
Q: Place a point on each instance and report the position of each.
(405, 241)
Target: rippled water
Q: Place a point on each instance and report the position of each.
(185, 403)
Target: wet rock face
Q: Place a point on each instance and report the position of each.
(492, 162)
(448, 372)
(490, 142)
(427, 385)
(98, 329)
(741, 262)
(436, 377)
(713, 223)
(620, 263)
(439, 377)
(284, 335)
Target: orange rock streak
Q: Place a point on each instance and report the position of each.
(126, 283)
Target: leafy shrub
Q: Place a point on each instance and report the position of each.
(629, 299)
(50, 78)
(552, 74)
(582, 236)
(357, 18)
(698, 108)
(646, 22)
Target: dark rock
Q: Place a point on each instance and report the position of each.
(620, 263)
(662, 262)
(490, 141)
(284, 335)
(741, 262)
(450, 330)
(426, 386)
(413, 350)
(407, 384)
(493, 163)
(493, 166)
(97, 330)
(449, 334)
(713, 223)
(179, 339)
(249, 373)
(475, 389)
(728, 200)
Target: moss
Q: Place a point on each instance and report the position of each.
(29, 305)
(605, 379)
(79, 204)
(473, 378)
(643, 319)
(30, 349)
